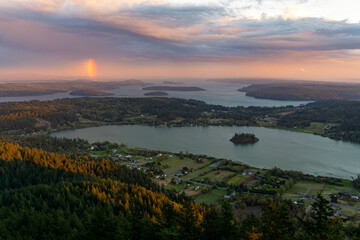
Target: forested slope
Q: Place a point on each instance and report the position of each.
(51, 195)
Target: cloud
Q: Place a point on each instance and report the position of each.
(39, 32)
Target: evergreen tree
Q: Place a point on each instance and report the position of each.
(321, 224)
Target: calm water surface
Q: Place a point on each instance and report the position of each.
(284, 149)
(225, 94)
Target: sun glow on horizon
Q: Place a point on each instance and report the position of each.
(91, 68)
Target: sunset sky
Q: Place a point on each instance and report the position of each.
(100, 39)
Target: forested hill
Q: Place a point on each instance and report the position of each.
(47, 195)
(335, 119)
(306, 91)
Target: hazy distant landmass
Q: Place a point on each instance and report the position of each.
(25, 93)
(303, 91)
(89, 93)
(158, 93)
(255, 80)
(78, 87)
(172, 88)
(172, 82)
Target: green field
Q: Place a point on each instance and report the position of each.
(310, 187)
(103, 152)
(195, 173)
(175, 164)
(210, 197)
(315, 128)
(236, 180)
(215, 175)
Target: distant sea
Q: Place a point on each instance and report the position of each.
(225, 94)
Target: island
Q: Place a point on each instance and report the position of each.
(244, 138)
(158, 93)
(313, 91)
(173, 88)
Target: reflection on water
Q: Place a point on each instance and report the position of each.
(284, 149)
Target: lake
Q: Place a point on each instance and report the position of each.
(284, 149)
(225, 94)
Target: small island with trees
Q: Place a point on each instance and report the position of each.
(244, 138)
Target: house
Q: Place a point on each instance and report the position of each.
(229, 196)
(196, 188)
(179, 174)
(113, 150)
(128, 156)
(176, 181)
(354, 197)
(247, 172)
(259, 177)
(334, 198)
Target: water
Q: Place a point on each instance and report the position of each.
(284, 149)
(45, 97)
(225, 94)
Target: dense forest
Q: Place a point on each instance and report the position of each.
(53, 195)
(345, 116)
(340, 119)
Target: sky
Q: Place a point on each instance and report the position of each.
(122, 39)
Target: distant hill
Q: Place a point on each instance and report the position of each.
(78, 87)
(303, 91)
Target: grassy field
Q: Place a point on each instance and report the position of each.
(103, 152)
(210, 197)
(236, 180)
(315, 128)
(197, 172)
(175, 164)
(215, 175)
(309, 187)
(350, 212)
